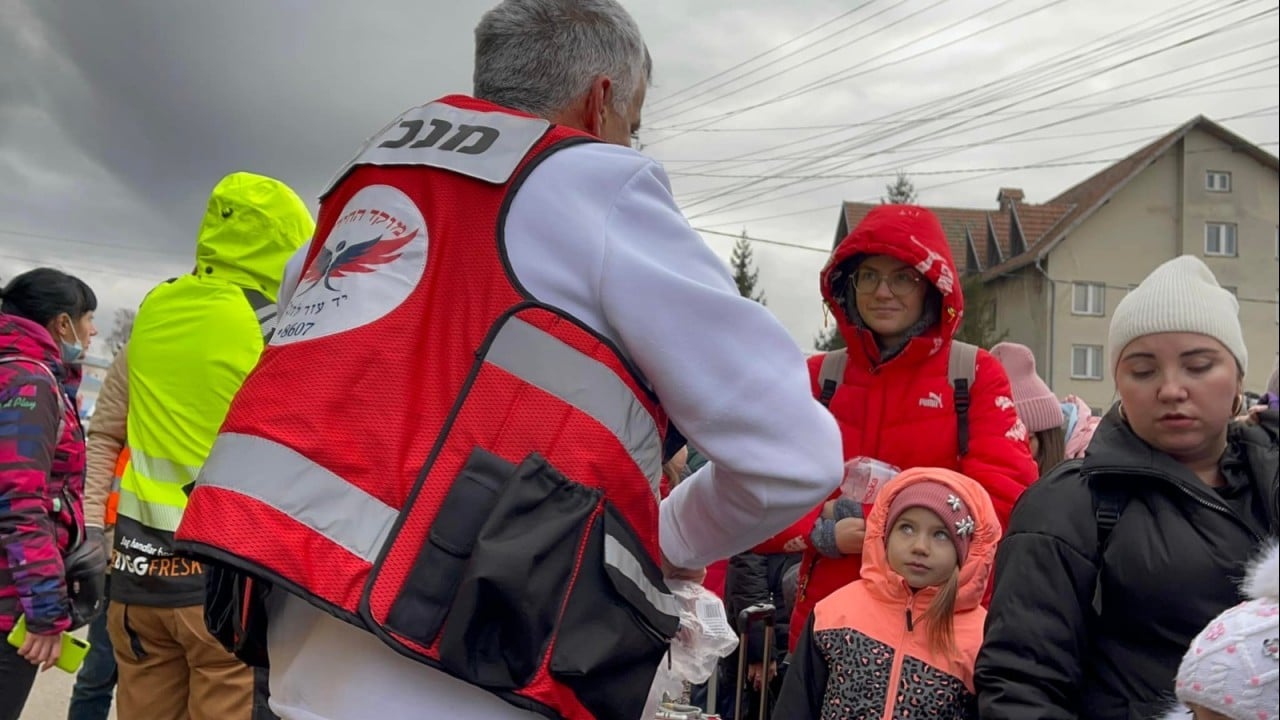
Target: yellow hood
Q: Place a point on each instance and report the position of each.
(253, 224)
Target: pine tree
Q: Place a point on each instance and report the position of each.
(829, 339)
(120, 330)
(901, 191)
(979, 324)
(745, 273)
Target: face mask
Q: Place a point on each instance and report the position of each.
(72, 353)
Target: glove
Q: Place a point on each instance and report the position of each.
(86, 572)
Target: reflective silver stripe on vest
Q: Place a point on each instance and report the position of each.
(547, 362)
(622, 560)
(281, 478)
(161, 469)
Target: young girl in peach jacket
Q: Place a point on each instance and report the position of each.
(901, 641)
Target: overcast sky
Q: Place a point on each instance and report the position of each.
(117, 118)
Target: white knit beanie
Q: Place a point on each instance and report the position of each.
(1182, 295)
(1233, 665)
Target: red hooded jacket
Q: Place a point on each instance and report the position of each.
(901, 411)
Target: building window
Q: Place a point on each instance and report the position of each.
(1088, 298)
(1217, 181)
(1220, 239)
(1086, 362)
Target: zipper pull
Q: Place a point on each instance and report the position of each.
(911, 626)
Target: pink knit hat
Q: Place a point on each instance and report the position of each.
(944, 503)
(1037, 406)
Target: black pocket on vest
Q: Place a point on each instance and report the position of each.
(235, 612)
(617, 624)
(420, 609)
(509, 600)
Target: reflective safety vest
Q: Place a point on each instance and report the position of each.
(194, 341)
(429, 453)
(180, 384)
(113, 498)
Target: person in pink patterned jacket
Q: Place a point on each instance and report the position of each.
(46, 321)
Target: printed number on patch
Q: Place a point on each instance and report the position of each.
(297, 329)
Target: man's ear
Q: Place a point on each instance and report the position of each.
(597, 105)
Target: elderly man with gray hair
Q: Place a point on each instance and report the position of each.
(437, 494)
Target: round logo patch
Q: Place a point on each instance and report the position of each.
(371, 261)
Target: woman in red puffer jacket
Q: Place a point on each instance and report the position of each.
(893, 288)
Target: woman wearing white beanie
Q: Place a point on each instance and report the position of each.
(1113, 563)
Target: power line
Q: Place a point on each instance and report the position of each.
(946, 107)
(881, 123)
(88, 243)
(883, 65)
(666, 101)
(1127, 143)
(766, 241)
(890, 174)
(867, 176)
(848, 73)
(980, 177)
(722, 191)
(882, 170)
(1062, 159)
(670, 113)
(933, 134)
(98, 270)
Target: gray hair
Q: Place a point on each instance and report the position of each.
(537, 56)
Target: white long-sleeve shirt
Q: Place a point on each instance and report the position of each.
(596, 232)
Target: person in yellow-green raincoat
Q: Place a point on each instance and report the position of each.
(194, 340)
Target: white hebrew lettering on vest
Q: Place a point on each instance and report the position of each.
(371, 261)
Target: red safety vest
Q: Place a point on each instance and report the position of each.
(427, 452)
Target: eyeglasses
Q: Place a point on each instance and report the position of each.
(901, 283)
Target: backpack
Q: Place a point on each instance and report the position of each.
(1109, 500)
(960, 373)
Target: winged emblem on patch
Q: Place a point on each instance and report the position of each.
(354, 259)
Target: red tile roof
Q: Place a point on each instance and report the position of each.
(1035, 220)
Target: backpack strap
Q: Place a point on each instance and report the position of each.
(961, 370)
(1109, 501)
(831, 374)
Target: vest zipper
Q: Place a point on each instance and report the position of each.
(911, 626)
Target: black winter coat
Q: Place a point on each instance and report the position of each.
(1171, 564)
(752, 579)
